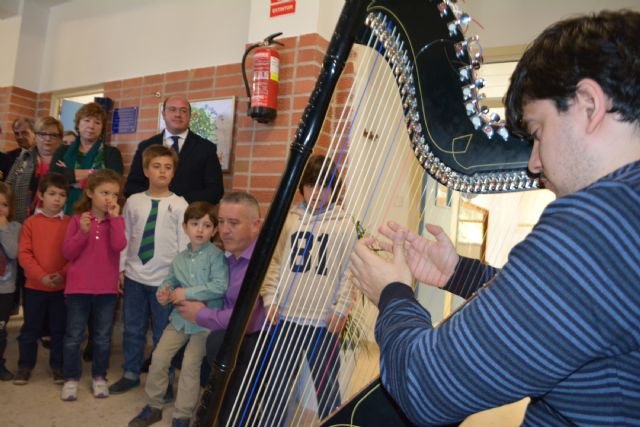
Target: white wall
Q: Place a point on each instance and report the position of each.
(30, 55)
(94, 41)
(88, 42)
(517, 22)
(9, 36)
(303, 21)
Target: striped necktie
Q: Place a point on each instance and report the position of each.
(176, 143)
(148, 236)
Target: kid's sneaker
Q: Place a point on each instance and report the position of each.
(69, 391)
(100, 388)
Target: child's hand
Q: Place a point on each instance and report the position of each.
(48, 281)
(85, 222)
(177, 296)
(163, 294)
(121, 283)
(56, 279)
(113, 209)
(273, 314)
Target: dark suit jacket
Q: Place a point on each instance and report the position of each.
(6, 161)
(198, 177)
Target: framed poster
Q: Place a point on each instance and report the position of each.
(213, 119)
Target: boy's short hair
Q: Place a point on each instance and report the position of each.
(53, 179)
(157, 150)
(197, 210)
(314, 173)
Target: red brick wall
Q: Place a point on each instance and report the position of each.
(259, 151)
(14, 102)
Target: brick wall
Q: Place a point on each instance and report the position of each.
(259, 151)
(14, 102)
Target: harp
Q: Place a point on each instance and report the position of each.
(411, 121)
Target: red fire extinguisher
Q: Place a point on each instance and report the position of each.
(263, 99)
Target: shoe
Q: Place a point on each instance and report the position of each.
(147, 417)
(22, 377)
(100, 388)
(180, 422)
(46, 342)
(87, 354)
(69, 391)
(146, 364)
(5, 374)
(58, 376)
(123, 385)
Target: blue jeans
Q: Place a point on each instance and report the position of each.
(79, 308)
(320, 348)
(139, 301)
(42, 308)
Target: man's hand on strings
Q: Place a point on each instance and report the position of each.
(431, 262)
(372, 272)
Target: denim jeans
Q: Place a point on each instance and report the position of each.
(139, 301)
(79, 308)
(320, 348)
(42, 308)
(6, 305)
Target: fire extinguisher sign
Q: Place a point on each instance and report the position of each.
(282, 7)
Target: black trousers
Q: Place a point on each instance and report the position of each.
(214, 342)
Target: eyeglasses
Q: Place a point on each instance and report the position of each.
(181, 110)
(48, 135)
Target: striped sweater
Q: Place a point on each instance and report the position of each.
(560, 322)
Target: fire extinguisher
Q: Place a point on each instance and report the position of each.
(263, 99)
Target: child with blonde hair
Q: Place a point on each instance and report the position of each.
(92, 246)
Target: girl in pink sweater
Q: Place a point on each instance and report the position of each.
(95, 237)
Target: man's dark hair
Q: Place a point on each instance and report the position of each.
(603, 47)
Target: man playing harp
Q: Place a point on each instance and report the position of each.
(559, 323)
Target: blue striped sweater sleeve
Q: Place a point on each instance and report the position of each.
(559, 323)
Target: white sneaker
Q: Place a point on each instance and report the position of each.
(69, 391)
(100, 388)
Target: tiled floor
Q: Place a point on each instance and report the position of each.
(38, 403)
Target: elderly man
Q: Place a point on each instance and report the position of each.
(25, 135)
(199, 175)
(559, 323)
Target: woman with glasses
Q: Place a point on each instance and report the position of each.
(87, 153)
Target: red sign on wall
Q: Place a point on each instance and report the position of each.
(282, 7)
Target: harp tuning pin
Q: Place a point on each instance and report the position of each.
(476, 121)
(465, 73)
(479, 83)
(442, 8)
(503, 132)
(483, 109)
(462, 22)
(472, 107)
(488, 131)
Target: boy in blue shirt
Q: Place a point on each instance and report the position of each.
(198, 273)
(155, 236)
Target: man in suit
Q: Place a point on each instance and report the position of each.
(25, 135)
(199, 175)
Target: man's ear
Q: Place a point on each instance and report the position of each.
(592, 99)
